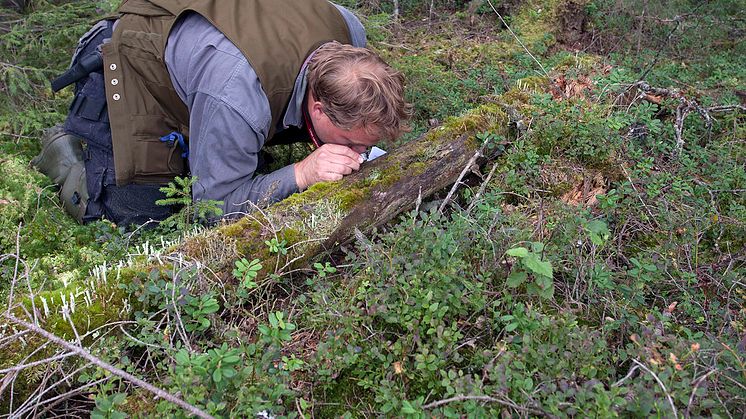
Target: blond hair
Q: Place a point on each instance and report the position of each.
(358, 89)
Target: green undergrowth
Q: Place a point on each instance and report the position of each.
(598, 272)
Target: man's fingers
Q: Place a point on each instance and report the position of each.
(343, 150)
(339, 168)
(341, 159)
(331, 176)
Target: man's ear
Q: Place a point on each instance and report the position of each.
(316, 108)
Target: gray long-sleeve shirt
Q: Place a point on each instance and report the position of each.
(229, 114)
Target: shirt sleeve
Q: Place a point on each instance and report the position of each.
(354, 26)
(229, 117)
(223, 155)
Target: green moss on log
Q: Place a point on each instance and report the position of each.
(302, 219)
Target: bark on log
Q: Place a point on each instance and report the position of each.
(326, 215)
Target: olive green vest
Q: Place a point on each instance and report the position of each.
(275, 36)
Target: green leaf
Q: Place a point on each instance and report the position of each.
(599, 232)
(519, 252)
(217, 376)
(547, 293)
(118, 398)
(231, 359)
(516, 279)
(407, 408)
(537, 266)
(511, 327)
(387, 407)
(182, 357)
(528, 384)
(103, 403)
(273, 320)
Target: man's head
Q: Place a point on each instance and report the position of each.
(355, 98)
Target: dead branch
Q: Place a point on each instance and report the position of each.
(82, 352)
(468, 167)
(683, 110)
(660, 383)
(35, 363)
(697, 383)
(482, 188)
(490, 399)
(626, 377)
(726, 108)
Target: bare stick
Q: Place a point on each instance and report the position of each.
(15, 271)
(461, 398)
(726, 108)
(114, 370)
(35, 363)
(34, 400)
(697, 383)
(660, 383)
(179, 325)
(66, 313)
(626, 377)
(516, 38)
(482, 188)
(453, 190)
(56, 399)
(644, 74)
(650, 213)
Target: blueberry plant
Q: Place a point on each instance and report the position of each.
(595, 269)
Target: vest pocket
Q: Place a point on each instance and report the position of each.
(155, 161)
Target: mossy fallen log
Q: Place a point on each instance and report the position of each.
(309, 223)
(327, 214)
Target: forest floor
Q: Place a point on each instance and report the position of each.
(597, 268)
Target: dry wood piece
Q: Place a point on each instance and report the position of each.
(685, 108)
(327, 214)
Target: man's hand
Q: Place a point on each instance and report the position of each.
(328, 162)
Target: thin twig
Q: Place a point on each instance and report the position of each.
(482, 188)
(660, 383)
(114, 370)
(453, 190)
(697, 383)
(644, 74)
(516, 38)
(467, 167)
(56, 399)
(66, 313)
(726, 108)
(180, 324)
(626, 377)
(639, 195)
(35, 363)
(490, 399)
(15, 270)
